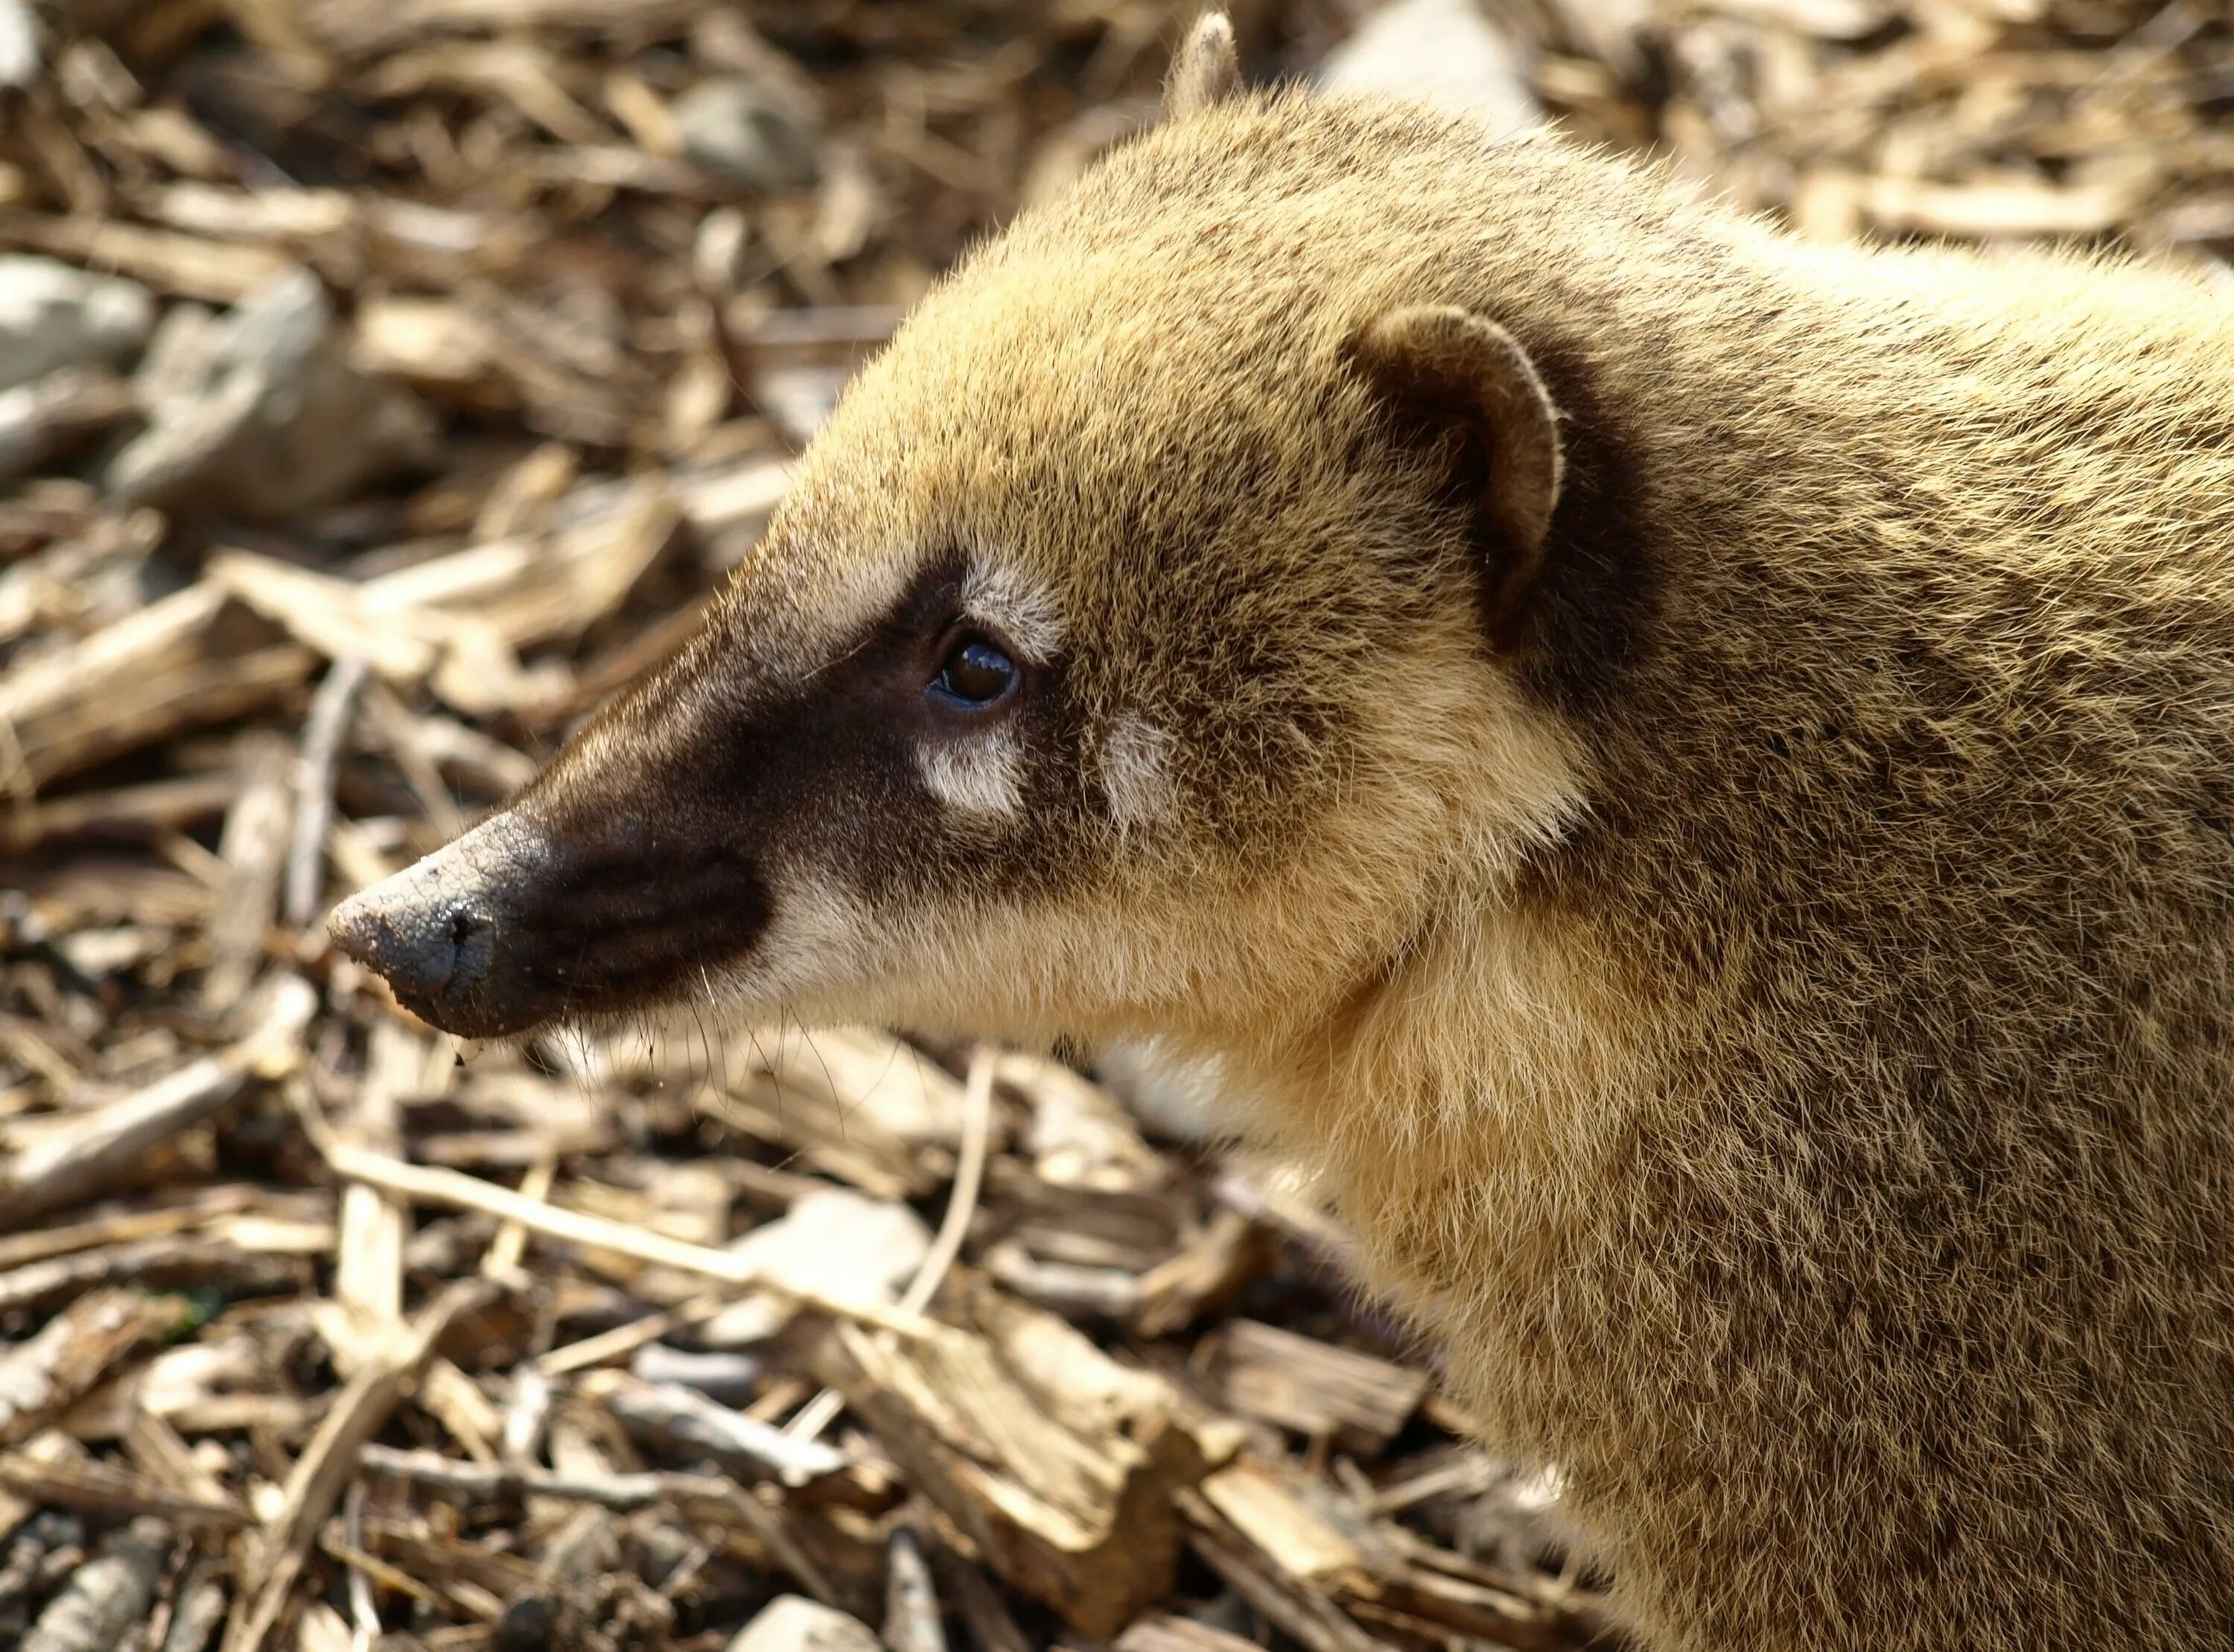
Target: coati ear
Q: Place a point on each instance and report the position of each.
(1454, 367)
(1206, 70)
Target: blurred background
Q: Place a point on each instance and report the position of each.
(383, 383)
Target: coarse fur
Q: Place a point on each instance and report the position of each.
(1774, 1021)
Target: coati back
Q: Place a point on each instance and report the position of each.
(1692, 774)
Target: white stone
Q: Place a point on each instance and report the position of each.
(19, 44)
(263, 416)
(758, 135)
(794, 1623)
(838, 1244)
(1443, 51)
(54, 315)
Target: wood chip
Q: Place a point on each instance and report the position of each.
(41, 1378)
(1317, 1389)
(100, 1151)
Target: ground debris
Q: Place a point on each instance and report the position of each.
(385, 385)
(106, 1598)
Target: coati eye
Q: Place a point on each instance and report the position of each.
(976, 674)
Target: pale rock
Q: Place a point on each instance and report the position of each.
(838, 1244)
(1080, 1134)
(794, 1623)
(1185, 1097)
(54, 315)
(19, 44)
(1444, 52)
(748, 130)
(263, 416)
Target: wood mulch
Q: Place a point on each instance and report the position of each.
(383, 383)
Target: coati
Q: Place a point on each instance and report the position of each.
(1693, 774)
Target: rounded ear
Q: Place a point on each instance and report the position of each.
(1456, 369)
(1205, 70)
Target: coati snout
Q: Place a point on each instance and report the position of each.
(519, 924)
(1686, 773)
(642, 865)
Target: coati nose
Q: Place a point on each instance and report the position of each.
(428, 950)
(436, 929)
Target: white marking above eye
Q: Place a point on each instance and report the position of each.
(1020, 617)
(976, 773)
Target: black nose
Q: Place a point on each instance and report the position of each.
(430, 953)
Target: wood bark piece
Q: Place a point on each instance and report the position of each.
(369, 1261)
(497, 1482)
(1081, 1135)
(1208, 1271)
(103, 1150)
(992, 1626)
(200, 1610)
(109, 1594)
(44, 421)
(275, 421)
(459, 619)
(124, 811)
(476, 1578)
(684, 1418)
(439, 347)
(1260, 1506)
(429, 1185)
(190, 265)
(43, 1377)
(188, 660)
(327, 1463)
(1293, 1605)
(168, 1262)
(42, 1450)
(824, 1137)
(606, 1347)
(869, 1078)
(120, 1227)
(369, 1238)
(159, 1452)
(535, 587)
(1056, 1464)
(253, 848)
(912, 1615)
(324, 732)
(330, 614)
(953, 1227)
(104, 1488)
(1321, 1546)
(1318, 1388)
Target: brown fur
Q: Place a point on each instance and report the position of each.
(1775, 1022)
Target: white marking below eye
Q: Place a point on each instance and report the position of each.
(978, 774)
(817, 920)
(1021, 617)
(1136, 771)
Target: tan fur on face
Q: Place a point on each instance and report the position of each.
(1774, 1021)
(1135, 766)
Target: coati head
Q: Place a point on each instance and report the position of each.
(1135, 648)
